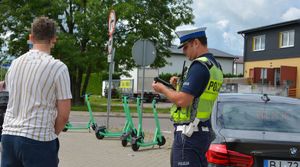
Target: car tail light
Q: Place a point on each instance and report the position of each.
(218, 154)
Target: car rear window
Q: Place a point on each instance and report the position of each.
(276, 117)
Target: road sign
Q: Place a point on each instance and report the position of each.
(111, 22)
(143, 52)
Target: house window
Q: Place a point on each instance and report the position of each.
(259, 43)
(287, 38)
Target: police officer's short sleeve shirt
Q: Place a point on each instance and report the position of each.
(197, 77)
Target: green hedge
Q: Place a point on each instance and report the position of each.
(229, 75)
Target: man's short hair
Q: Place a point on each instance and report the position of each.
(203, 40)
(43, 28)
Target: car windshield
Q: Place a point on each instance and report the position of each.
(275, 117)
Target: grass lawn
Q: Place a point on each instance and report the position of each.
(99, 104)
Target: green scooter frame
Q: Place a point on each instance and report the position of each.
(127, 132)
(158, 138)
(91, 124)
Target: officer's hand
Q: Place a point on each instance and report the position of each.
(173, 81)
(158, 87)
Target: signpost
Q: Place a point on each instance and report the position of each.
(110, 58)
(144, 54)
(110, 46)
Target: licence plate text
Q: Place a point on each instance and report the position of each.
(281, 163)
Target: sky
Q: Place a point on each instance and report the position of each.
(224, 18)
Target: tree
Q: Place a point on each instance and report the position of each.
(83, 26)
(83, 31)
(151, 19)
(80, 44)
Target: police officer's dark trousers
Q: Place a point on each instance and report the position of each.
(190, 151)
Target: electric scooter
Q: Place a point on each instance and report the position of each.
(91, 124)
(158, 138)
(131, 131)
(127, 131)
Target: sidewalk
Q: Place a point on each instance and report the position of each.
(82, 149)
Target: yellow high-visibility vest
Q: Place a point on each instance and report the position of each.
(202, 106)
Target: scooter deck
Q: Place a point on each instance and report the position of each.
(77, 128)
(147, 144)
(70, 126)
(112, 134)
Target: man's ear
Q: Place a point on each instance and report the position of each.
(198, 42)
(53, 41)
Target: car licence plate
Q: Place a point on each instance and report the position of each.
(281, 163)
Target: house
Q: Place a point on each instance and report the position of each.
(175, 61)
(272, 55)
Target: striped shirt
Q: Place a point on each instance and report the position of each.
(35, 81)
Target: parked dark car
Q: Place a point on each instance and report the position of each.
(255, 130)
(148, 96)
(114, 93)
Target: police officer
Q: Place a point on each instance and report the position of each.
(193, 100)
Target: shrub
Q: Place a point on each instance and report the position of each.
(229, 75)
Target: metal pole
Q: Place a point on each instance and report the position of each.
(109, 87)
(143, 84)
(263, 76)
(262, 81)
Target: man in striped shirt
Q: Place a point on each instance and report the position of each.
(39, 102)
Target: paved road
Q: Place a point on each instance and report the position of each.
(82, 149)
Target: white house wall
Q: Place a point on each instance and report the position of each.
(227, 65)
(176, 62)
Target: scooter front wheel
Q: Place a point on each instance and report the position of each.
(162, 142)
(98, 135)
(124, 143)
(135, 147)
(134, 143)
